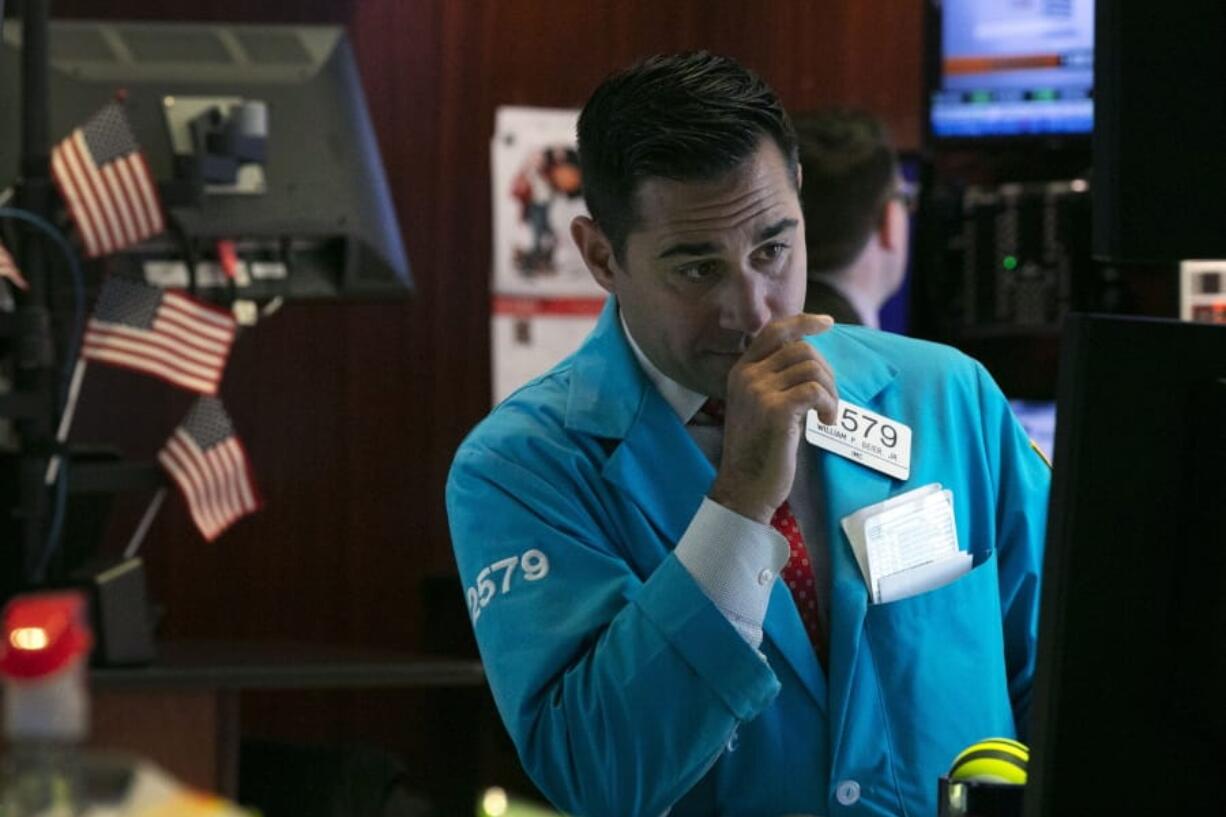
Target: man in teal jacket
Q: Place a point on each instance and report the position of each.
(621, 547)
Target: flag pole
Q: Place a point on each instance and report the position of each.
(143, 528)
(70, 409)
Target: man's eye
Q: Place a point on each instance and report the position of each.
(772, 251)
(700, 271)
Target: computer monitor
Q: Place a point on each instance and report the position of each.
(318, 222)
(1129, 707)
(1159, 68)
(1010, 68)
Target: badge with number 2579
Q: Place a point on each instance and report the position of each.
(502, 576)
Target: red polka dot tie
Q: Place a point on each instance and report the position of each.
(798, 572)
(798, 575)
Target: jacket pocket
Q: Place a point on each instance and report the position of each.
(939, 660)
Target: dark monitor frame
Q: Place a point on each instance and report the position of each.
(1128, 713)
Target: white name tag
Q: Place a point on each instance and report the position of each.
(870, 439)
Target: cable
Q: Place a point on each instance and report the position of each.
(78, 291)
(78, 288)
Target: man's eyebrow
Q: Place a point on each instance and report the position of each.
(778, 227)
(699, 248)
(696, 248)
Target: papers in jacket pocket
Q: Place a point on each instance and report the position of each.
(907, 544)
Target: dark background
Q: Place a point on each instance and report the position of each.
(351, 412)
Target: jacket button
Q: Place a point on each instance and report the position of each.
(848, 793)
(734, 740)
(765, 576)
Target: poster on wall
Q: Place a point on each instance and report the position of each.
(529, 335)
(544, 301)
(537, 191)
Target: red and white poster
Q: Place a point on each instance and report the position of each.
(537, 192)
(544, 301)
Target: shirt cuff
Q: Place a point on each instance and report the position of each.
(735, 561)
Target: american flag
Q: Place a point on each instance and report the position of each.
(165, 334)
(9, 270)
(210, 466)
(103, 176)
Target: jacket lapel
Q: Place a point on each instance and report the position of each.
(656, 464)
(785, 630)
(660, 468)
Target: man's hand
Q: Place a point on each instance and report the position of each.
(770, 390)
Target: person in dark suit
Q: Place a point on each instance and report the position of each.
(856, 215)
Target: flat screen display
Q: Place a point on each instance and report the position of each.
(1014, 68)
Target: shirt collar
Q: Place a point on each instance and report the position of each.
(683, 401)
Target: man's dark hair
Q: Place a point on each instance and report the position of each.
(849, 171)
(686, 117)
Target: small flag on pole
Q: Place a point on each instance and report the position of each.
(104, 178)
(162, 333)
(9, 270)
(210, 466)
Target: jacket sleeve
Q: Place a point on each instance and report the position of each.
(1022, 482)
(619, 691)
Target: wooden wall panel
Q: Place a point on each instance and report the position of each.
(352, 412)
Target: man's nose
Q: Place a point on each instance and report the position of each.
(744, 308)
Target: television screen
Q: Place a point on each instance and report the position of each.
(1014, 68)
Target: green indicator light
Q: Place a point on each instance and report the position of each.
(1044, 94)
(980, 97)
(1010, 262)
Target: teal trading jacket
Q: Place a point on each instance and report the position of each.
(624, 688)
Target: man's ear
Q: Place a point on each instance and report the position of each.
(596, 250)
(892, 227)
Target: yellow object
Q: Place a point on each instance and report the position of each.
(1046, 459)
(995, 760)
(495, 802)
